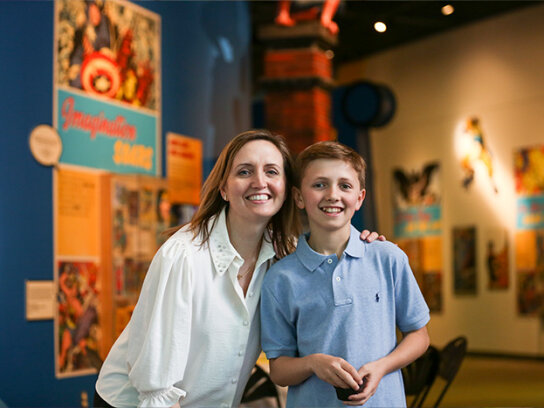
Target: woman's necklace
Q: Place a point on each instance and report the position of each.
(251, 265)
(250, 268)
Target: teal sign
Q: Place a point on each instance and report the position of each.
(105, 135)
(418, 221)
(530, 212)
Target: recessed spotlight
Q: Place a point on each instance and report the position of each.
(447, 9)
(380, 26)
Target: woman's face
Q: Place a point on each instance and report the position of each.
(255, 186)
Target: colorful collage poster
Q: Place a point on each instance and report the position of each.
(107, 85)
(417, 227)
(529, 180)
(464, 261)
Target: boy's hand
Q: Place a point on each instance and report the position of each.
(368, 236)
(336, 371)
(373, 373)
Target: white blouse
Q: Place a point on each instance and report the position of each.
(193, 336)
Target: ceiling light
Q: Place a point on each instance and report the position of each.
(447, 9)
(380, 27)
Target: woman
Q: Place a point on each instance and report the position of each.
(194, 334)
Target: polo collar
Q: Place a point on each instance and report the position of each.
(224, 254)
(312, 259)
(355, 247)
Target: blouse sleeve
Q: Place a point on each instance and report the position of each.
(159, 333)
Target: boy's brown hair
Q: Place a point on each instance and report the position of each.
(330, 151)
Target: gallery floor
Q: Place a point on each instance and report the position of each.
(496, 382)
(491, 382)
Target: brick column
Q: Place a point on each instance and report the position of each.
(297, 81)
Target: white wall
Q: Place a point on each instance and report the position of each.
(494, 70)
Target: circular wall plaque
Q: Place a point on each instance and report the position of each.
(45, 145)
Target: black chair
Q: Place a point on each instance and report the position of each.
(260, 386)
(419, 376)
(451, 357)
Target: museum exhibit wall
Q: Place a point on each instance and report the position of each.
(205, 95)
(491, 70)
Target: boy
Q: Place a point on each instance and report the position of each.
(329, 311)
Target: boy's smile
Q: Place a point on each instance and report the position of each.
(330, 193)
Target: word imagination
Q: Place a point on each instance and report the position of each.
(95, 124)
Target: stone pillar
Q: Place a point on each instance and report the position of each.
(297, 82)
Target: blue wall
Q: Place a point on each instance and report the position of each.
(205, 94)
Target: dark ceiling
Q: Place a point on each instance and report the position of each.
(407, 21)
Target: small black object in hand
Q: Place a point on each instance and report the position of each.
(343, 393)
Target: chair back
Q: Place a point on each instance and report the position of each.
(419, 376)
(451, 357)
(260, 386)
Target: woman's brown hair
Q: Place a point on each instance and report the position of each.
(284, 226)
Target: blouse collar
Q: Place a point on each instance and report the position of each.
(222, 251)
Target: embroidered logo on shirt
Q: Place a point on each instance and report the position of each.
(377, 297)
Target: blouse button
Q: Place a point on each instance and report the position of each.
(338, 278)
(246, 323)
(234, 381)
(329, 261)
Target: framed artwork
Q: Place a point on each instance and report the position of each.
(464, 260)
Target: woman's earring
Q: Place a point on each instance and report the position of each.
(224, 197)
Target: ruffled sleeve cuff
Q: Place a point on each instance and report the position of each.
(162, 398)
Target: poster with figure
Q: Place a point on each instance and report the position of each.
(107, 85)
(529, 244)
(77, 328)
(417, 226)
(477, 159)
(497, 263)
(464, 260)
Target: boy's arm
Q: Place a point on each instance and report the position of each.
(286, 371)
(412, 345)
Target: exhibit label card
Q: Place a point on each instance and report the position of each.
(40, 300)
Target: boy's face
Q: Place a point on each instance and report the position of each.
(330, 193)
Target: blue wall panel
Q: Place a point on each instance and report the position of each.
(205, 94)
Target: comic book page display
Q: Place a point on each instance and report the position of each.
(79, 319)
(141, 212)
(529, 179)
(78, 327)
(464, 261)
(134, 231)
(417, 215)
(496, 258)
(107, 85)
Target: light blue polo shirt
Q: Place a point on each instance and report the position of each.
(349, 308)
